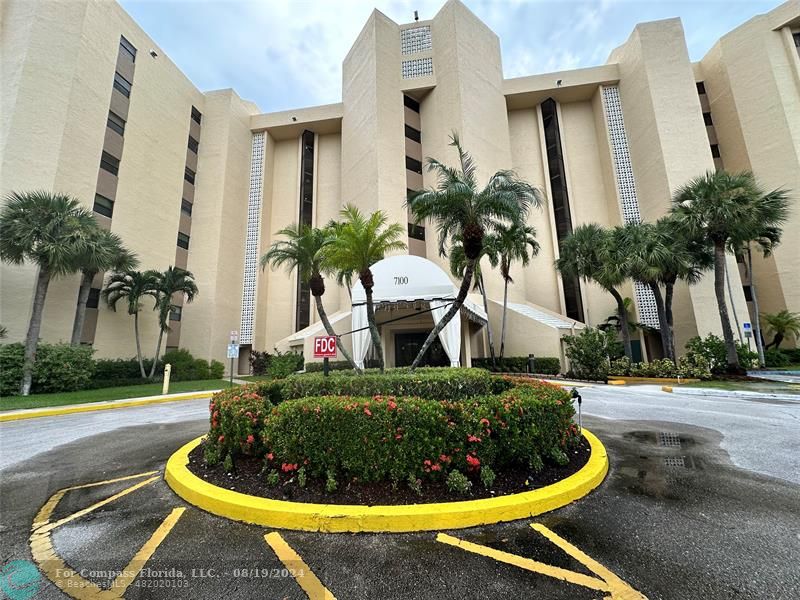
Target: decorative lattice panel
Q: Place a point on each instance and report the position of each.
(251, 240)
(626, 190)
(417, 67)
(416, 39)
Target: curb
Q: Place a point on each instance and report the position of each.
(71, 409)
(336, 518)
(689, 391)
(624, 379)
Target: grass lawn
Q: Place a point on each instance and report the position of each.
(103, 394)
(769, 387)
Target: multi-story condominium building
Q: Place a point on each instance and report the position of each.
(91, 106)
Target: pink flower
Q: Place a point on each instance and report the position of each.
(473, 438)
(270, 456)
(250, 439)
(436, 467)
(485, 422)
(473, 462)
(392, 404)
(398, 436)
(221, 439)
(367, 412)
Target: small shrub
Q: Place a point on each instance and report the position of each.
(487, 477)
(774, 358)
(216, 370)
(227, 464)
(542, 365)
(712, 348)
(458, 483)
(58, 368)
(621, 366)
(259, 361)
(211, 454)
(273, 478)
(236, 418)
(330, 482)
(415, 484)
(301, 477)
(793, 354)
(283, 365)
(590, 353)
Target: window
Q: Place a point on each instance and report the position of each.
(189, 175)
(307, 142)
(183, 240)
(416, 232)
(193, 144)
(109, 163)
(411, 103)
(412, 164)
(175, 313)
(796, 37)
(93, 301)
(701, 87)
(715, 150)
(186, 206)
(748, 293)
(196, 116)
(707, 119)
(127, 48)
(116, 123)
(413, 134)
(122, 84)
(103, 206)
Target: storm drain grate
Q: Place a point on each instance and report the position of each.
(674, 462)
(669, 440)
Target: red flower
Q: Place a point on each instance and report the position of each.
(250, 439)
(288, 467)
(270, 456)
(392, 404)
(436, 467)
(444, 458)
(472, 438)
(399, 436)
(485, 422)
(221, 439)
(367, 412)
(473, 462)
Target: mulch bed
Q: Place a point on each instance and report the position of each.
(248, 479)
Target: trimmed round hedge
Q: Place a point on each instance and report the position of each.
(494, 423)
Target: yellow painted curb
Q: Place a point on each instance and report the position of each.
(333, 518)
(67, 410)
(666, 388)
(616, 382)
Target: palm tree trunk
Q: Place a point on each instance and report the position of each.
(669, 293)
(757, 321)
(719, 292)
(503, 327)
(34, 327)
(138, 344)
(666, 342)
(733, 306)
(80, 309)
(482, 288)
(158, 351)
(373, 328)
(454, 308)
(623, 320)
(323, 316)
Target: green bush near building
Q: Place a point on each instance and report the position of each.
(542, 365)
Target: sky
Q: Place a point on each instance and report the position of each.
(284, 54)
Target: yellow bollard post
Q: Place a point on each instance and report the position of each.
(167, 371)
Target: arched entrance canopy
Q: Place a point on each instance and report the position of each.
(407, 278)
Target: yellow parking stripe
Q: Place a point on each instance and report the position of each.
(304, 576)
(130, 572)
(619, 589)
(526, 563)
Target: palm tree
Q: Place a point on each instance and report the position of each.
(590, 252)
(304, 250)
(174, 281)
(51, 231)
(511, 243)
(359, 243)
(782, 324)
(458, 263)
(725, 207)
(105, 252)
(459, 208)
(132, 286)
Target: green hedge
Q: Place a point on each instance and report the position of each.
(276, 365)
(543, 365)
(388, 438)
(58, 368)
(690, 366)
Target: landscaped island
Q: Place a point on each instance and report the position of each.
(397, 438)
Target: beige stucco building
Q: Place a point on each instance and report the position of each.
(93, 107)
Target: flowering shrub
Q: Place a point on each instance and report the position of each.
(236, 417)
(689, 366)
(385, 438)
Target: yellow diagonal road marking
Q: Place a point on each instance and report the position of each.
(130, 572)
(304, 576)
(526, 563)
(619, 589)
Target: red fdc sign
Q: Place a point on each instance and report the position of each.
(325, 347)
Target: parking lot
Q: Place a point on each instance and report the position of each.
(676, 518)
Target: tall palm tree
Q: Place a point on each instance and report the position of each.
(515, 242)
(590, 252)
(174, 281)
(51, 231)
(725, 207)
(782, 324)
(106, 251)
(303, 249)
(459, 208)
(458, 264)
(359, 243)
(132, 287)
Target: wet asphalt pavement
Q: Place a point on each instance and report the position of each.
(677, 517)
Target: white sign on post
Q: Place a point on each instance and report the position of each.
(234, 336)
(233, 350)
(748, 329)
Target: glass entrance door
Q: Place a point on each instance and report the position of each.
(407, 346)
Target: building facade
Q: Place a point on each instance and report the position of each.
(92, 107)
